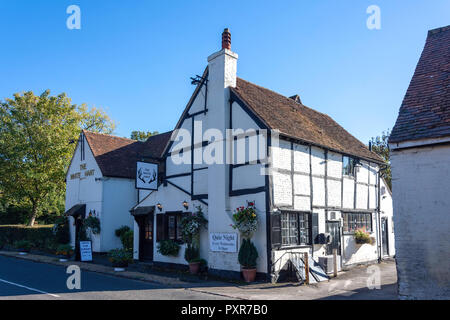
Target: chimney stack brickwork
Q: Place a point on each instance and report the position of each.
(226, 39)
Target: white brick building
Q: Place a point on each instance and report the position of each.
(420, 159)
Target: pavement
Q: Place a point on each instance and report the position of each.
(34, 276)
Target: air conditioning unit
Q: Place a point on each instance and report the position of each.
(327, 263)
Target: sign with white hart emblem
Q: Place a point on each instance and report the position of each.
(147, 176)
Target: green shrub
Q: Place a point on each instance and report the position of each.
(40, 236)
(192, 253)
(121, 230)
(120, 257)
(127, 239)
(247, 254)
(61, 230)
(168, 248)
(65, 250)
(23, 245)
(93, 224)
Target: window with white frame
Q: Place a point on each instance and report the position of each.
(348, 166)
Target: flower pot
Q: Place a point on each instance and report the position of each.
(194, 267)
(249, 274)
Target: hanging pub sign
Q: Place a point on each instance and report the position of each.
(147, 176)
(86, 250)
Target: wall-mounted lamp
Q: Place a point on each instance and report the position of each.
(185, 204)
(159, 206)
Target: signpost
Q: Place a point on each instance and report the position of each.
(86, 250)
(146, 176)
(223, 242)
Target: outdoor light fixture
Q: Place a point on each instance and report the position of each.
(159, 206)
(185, 204)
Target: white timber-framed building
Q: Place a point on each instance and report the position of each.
(306, 175)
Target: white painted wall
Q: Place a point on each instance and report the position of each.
(111, 198)
(119, 195)
(84, 190)
(366, 193)
(421, 184)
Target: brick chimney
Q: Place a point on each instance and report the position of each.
(226, 39)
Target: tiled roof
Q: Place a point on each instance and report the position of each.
(425, 111)
(298, 121)
(117, 156)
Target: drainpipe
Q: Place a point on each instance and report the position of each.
(378, 234)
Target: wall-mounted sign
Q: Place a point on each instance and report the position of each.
(223, 242)
(147, 176)
(86, 250)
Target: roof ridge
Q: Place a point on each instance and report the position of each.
(108, 135)
(438, 30)
(287, 98)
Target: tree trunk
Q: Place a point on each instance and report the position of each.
(32, 216)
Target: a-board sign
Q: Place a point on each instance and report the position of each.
(223, 242)
(86, 250)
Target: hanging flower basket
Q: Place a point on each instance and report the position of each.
(246, 220)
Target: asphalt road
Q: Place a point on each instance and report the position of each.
(21, 279)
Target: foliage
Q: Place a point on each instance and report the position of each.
(142, 135)
(93, 224)
(65, 250)
(191, 225)
(120, 257)
(381, 147)
(118, 232)
(247, 254)
(12, 214)
(168, 248)
(362, 236)
(127, 239)
(35, 135)
(39, 236)
(191, 253)
(61, 230)
(23, 245)
(126, 236)
(246, 220)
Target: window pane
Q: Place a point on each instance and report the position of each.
(179, 217)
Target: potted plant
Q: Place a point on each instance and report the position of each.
(65, 251)
(192, 256)
(247, 259)
(120, 258)
(24, 246)
(168, 248)
(362, 237)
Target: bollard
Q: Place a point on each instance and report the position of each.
(306, 268)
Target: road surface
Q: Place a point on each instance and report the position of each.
(21, 279)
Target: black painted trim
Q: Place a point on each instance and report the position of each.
(241, 192)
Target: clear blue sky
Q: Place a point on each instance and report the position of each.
(135, 58)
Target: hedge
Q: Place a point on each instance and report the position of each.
(41, 236)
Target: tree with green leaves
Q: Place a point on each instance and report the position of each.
(142, 135)
(381, 147)
(35, 148)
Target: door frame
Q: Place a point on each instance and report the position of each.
(140, 222)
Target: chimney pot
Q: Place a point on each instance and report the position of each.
(226, 39)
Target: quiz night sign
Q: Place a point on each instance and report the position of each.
(223, 242)
(146, 176)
